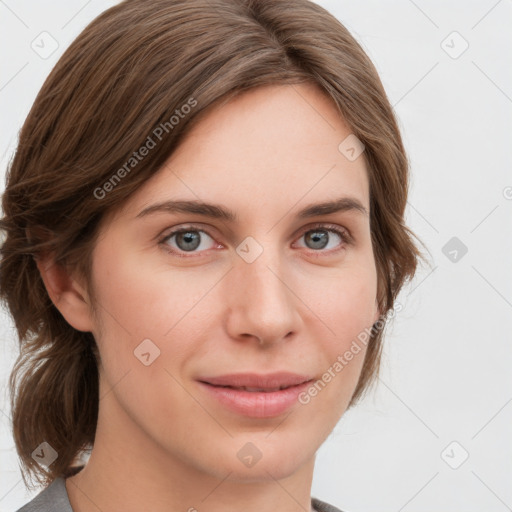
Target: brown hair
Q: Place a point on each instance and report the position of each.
(132, 70)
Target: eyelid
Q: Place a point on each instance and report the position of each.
(184, 228)
(341, 231)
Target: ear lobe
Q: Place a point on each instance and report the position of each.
(68, 296)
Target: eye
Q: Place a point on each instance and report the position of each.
(190, 239)
(321, 237)
(186, 240)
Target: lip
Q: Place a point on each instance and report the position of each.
(256, 404)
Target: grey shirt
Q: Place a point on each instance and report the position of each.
(55, 499)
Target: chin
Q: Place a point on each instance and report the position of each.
(274, 459)
(252, 458)
(277, 468)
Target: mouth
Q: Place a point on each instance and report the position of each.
(257, 382)
(256, 395)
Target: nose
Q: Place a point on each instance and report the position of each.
(260, 301)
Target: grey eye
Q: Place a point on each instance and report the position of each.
(324, 238)
(317, 239)
(188, 240)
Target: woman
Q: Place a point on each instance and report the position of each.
(205, 236)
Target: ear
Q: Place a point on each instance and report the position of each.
(67, 294)
(377, 314)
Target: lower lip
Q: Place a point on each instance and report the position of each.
(256, 404)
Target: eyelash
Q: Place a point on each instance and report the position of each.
(341, 232)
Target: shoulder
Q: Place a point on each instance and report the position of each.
(53, 498)
(322, 506)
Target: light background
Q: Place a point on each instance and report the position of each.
(446, 367)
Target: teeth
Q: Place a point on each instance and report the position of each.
(268, 390)
(255, 390)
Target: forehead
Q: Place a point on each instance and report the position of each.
(262, 152)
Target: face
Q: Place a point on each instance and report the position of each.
(264, 290)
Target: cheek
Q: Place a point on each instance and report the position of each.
(344, 301)
(345, 305)
(348, 311)
(145, 300)
(137, 303)
(140, 302)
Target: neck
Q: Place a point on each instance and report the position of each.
(129, 471)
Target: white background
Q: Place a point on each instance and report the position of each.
(447, 357)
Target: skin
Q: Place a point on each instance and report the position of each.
(162, 444)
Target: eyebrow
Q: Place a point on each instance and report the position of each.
(219, 212)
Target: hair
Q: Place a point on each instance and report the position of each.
(133, 70)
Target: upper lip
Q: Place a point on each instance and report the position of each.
(255, 380)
